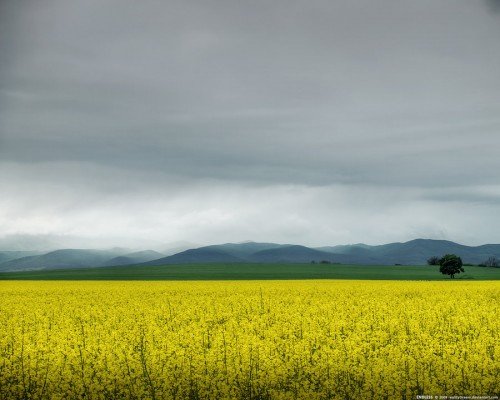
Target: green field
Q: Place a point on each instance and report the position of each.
(254, 271)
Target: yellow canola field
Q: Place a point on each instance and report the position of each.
(249, 340)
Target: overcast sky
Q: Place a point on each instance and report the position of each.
(311, 122)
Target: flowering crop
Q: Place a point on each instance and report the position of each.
(248, 340)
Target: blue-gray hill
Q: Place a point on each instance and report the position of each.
(244, 250)
(137, 257)
(414, 252)
(194, 256)
(292, 254)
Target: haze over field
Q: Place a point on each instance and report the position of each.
(139, 124)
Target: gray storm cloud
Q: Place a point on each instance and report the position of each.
(494, 5)
(165, 119)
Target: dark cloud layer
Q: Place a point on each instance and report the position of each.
(195, 99)
(494, 5)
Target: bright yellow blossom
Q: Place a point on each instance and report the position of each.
(248, 340)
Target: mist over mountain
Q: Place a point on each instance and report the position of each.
(40, 243)
(59, 259)
(13, 255)
(44, 243)
(76, 258)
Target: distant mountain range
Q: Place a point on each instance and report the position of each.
(414, 252)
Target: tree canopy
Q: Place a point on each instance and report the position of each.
(450, 264)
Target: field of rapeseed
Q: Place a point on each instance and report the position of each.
(248, 340)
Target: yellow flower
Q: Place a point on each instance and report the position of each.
(243, 340)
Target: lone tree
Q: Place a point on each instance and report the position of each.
(434, 260)
(450, 264)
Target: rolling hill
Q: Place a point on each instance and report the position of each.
(246, 249)
(291, 254)
(59, 259)
(194, 256)
(414, 252)
(13, 255)
(137, 257)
